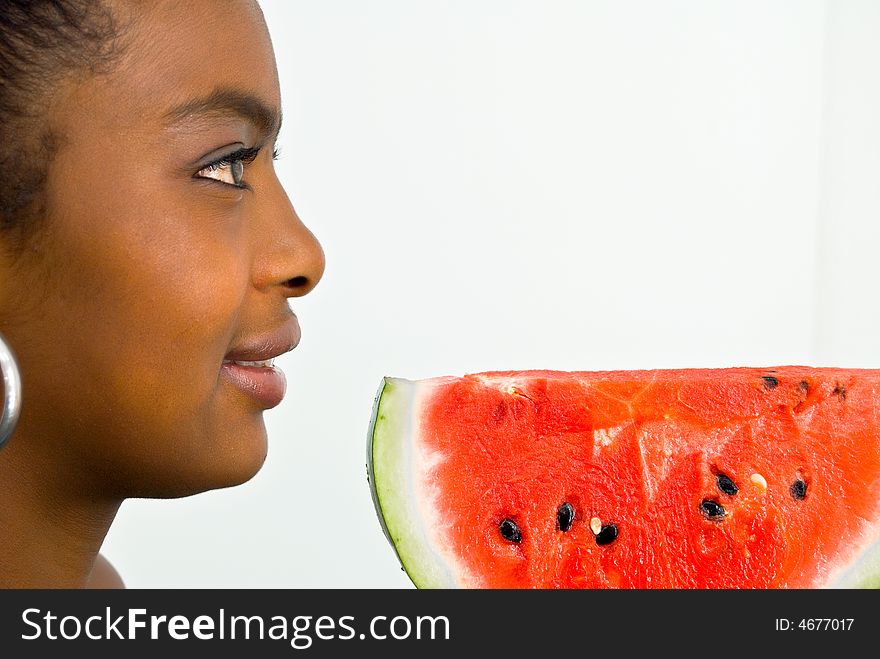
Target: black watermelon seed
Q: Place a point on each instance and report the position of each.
(804, 385)
(770, 382)
(840, 392)
(726, 485)
(510, 531)
(798, 490)
(607, 535)
(564, 516)
(712, 509)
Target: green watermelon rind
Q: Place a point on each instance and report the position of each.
(388, 472)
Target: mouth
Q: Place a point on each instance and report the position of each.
(262, 363)
(250, 366)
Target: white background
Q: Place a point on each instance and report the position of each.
(504, 184)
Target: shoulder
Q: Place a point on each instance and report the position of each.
(104, 575)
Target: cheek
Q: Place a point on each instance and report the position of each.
(146, 305)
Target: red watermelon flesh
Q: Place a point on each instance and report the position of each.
(692, 478)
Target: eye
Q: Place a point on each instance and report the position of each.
(230, 168)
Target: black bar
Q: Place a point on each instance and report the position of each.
(510, 623)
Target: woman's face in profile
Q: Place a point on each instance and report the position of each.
(170, 248)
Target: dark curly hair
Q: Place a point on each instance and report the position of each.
(42, 43)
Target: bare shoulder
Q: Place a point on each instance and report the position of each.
(104, 575)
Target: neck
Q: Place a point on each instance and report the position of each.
(51, 525)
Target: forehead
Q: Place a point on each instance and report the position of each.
(177, 51)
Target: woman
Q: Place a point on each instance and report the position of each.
(147, 254)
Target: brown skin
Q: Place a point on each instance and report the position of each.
(147, 273)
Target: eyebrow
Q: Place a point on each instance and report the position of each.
(230, 102)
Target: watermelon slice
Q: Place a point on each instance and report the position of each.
(692, 478)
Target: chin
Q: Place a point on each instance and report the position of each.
(219, 461)
(217, 478)
(233, 466)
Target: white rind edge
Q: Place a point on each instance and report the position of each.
(390, 441)
(864, 569)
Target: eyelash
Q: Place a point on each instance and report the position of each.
(244, 155)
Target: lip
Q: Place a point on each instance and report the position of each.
(267, 346)
(265, 384)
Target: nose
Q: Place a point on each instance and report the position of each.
(287, 254)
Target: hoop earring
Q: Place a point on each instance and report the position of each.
(11, 392)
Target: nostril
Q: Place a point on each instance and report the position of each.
(297, 282)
